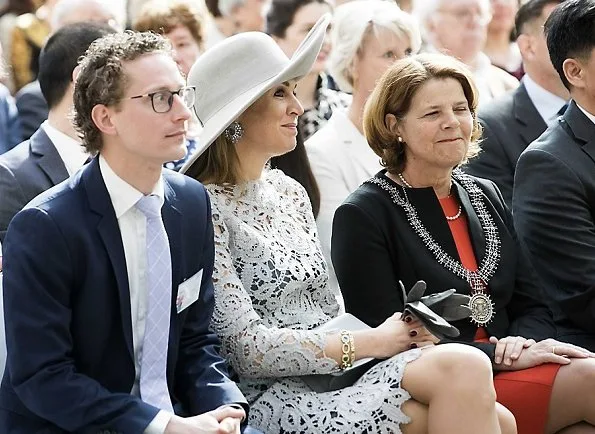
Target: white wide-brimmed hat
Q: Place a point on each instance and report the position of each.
(233, 74)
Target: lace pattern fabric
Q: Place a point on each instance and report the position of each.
(271, 291)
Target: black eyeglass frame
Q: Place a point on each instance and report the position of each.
(170, 98)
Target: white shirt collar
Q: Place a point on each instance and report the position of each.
(546, 103)
(70, 150)
(587, 114)
(123, 195)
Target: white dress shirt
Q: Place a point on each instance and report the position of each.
(546, 103)
(71, 151)
(341, 160)
(587, 114)
(132, 223)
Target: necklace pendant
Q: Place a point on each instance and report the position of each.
(482, 308)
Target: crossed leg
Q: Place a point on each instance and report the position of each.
(453, 392)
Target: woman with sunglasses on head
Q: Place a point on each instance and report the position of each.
(271, 281)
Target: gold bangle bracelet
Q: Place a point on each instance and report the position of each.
(352, 343)
(346, 349)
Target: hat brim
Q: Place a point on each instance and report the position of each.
(299, 65)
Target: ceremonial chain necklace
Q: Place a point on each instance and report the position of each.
(482, 307)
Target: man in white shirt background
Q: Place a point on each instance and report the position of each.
(511, 122)
(54, 152)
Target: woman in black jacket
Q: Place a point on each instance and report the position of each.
(423, 219)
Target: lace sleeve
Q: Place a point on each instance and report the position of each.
(253, 348)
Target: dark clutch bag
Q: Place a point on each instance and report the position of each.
(341, 379)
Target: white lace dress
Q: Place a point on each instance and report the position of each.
(270, 292)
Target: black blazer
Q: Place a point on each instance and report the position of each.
(510, 123)
(28, 169)
(374, 246)
(554, 213)
(70, 365)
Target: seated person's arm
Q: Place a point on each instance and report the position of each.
(201, 378)
(254, 348)
(366, 275)
(554, 220)
(38, 291)
(367, 278)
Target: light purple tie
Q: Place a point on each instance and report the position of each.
(153, 379)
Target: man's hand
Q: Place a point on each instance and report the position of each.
(224, 420)
(547, 351)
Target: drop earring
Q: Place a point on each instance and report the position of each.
(234, 132)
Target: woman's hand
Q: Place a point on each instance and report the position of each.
(509, 349)
(547, 351)
(396, 335)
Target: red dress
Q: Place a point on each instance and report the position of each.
(525, 393)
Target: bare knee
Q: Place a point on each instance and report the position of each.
(465, 362)
(468, 370)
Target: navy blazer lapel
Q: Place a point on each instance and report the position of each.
(109, 231)
(581, 127)
(172, 220)
(47, 156)
(531, 124)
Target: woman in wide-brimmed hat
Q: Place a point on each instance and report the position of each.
(271, 281)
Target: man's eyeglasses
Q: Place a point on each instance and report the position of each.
(163, 100)
(466, 15)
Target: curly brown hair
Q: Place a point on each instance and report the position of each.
(394, 93)
(102, 80)
(162, 18)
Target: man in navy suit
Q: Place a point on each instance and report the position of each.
(554, 184)
(79, 278)
(54, 152)
(510, 123)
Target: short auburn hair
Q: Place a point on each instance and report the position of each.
(162, 18)
(394, 93)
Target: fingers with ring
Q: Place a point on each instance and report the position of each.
(554, 349)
